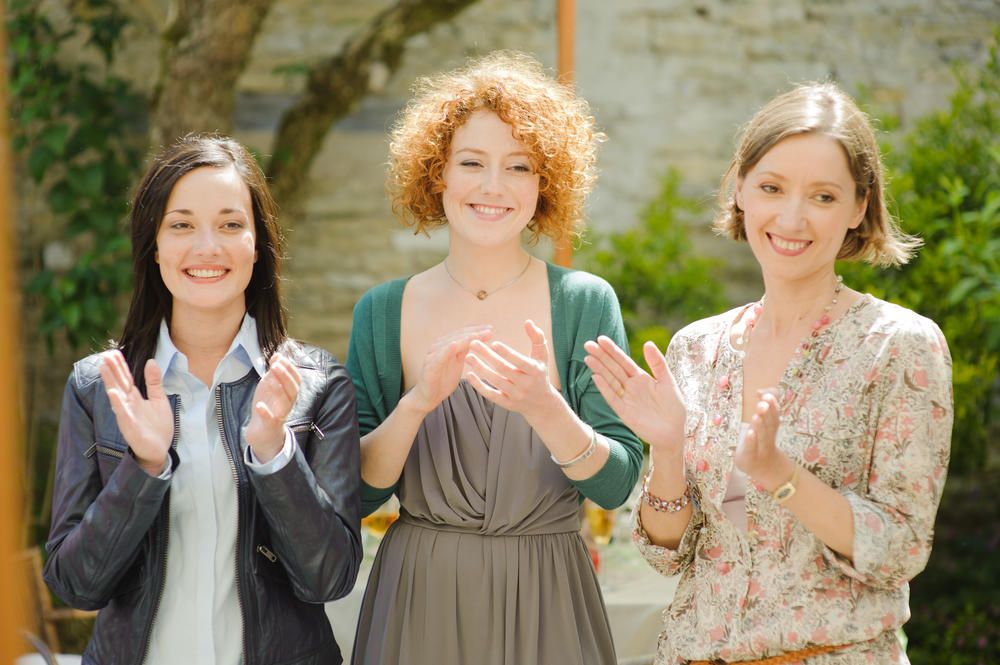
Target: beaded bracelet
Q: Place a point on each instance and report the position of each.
(582, 456)
(665, 505)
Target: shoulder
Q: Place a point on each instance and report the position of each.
(86, 372)
(580, 292)
(711, 327)
(898, 327)
(380, 294)
(315, 363)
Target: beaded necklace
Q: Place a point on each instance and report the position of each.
(743, 338)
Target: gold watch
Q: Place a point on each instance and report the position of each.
(786, 491)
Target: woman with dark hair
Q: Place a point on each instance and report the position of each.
(207, 477)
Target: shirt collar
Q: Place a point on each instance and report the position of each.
(245, 347)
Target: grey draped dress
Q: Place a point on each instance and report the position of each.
(486, 564)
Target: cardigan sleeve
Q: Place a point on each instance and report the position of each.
(598, 313)
(362, 364)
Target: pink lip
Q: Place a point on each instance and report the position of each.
(783, 251)
(205, 280)
(489, 218)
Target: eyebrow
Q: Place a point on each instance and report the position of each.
(224, 211)
(478, 151)
(821, 183)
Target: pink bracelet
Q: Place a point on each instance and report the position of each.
(665, 505)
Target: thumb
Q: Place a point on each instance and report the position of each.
(539, 345)
(154, 380)
(657, 363)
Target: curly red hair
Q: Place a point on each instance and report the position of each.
(553, 123)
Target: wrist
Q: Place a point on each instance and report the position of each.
(151, 466)
(775, 474)
(411, 403)
(545, 408)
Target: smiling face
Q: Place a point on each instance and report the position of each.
(491, 187)
(798, 202)
(205, 245)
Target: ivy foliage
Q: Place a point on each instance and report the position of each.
(77, 136)
(944, 179)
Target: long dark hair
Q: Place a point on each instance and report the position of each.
(151, 301)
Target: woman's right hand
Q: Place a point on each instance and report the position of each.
(146, 424)
(651, 406)
(444, 365)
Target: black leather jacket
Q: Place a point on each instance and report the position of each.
(298, 539)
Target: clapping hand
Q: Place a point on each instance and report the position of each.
(651, 406)
(512, 380)
(757, 455)
(443, 366)
(272, 401)
(146, 423)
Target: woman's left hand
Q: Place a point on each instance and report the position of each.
(272, 402)
(757, 455)
(512, 380)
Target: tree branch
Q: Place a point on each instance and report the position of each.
(335, 85)
(206, 46)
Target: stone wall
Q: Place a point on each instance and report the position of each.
(670, 82)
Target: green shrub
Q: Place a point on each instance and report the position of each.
(660, 281)
(945, 184)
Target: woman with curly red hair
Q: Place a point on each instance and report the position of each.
(475, 405)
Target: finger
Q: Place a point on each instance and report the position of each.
(154, 380)
(598, 369)
(493, 358)
(109, 375)
(618, 356)
(120, 407)
(539, 345)
(468, 333)
(121, 375)
(770, 418)
(656, 361)
(285, 375)
(612, 396)
(516, 359)
(614, 372)
(483, 369)
(488, 391)
(264, 411)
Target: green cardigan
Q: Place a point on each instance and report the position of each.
(583, 307)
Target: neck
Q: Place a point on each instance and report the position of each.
(205, 335)
(478, 267)
(791, 304)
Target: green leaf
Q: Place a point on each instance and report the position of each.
(87, 181)
(54, 136)
(39, 161)
(61, 199)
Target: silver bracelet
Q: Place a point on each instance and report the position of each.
(582, 456)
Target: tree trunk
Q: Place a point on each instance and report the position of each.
(206, 46)
(335, 85)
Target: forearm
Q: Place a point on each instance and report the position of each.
(567, 437)
(821, 509)
(384, 450)
(666, 481)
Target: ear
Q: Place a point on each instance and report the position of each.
(859, 213)
(738, 193)
(156, 256)
(255, 256)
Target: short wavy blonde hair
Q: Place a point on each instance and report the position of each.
(822, 108)
(554, 124)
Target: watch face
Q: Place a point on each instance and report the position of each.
(784, 492)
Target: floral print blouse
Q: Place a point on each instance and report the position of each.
(869, 412)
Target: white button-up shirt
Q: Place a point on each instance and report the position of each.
(199, 616)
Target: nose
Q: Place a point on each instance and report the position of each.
(793, 214)
(491, 181)
(206, 243)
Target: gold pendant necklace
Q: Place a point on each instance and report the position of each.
(483, 294)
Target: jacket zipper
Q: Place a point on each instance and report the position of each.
(236, 479)
(268, 554)
(108, 450)
(165, 534)
(310, 427)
